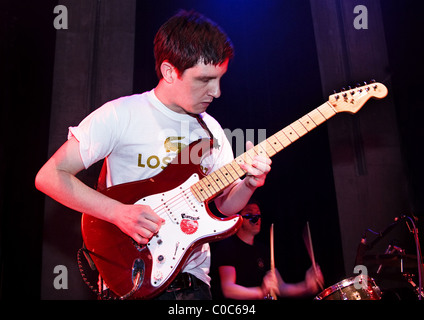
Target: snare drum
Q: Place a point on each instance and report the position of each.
(360, 287)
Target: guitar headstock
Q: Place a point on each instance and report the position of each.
(353, 99)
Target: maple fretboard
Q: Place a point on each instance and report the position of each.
(213, 184)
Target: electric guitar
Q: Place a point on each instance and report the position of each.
(180, 194)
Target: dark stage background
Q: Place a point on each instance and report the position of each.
(348, 175)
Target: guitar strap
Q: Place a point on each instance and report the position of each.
(214, 142)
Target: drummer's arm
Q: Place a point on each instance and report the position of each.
(307, 287)
(293, 290)
(231, 290)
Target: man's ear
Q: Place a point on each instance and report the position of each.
(169, 72)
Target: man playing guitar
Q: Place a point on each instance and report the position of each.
(139, 135)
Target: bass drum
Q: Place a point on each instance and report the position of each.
(360, 287)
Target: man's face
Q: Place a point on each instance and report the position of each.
(197, 87)
(251, 220)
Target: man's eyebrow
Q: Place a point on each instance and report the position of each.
(206, 77)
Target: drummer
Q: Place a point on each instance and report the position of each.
(242, 266)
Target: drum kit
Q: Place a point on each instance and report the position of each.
(348, 289)
(394, 263)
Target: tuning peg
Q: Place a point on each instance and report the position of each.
(373, 81)
(336, 95)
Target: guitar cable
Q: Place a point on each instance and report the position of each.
(93, 288)
(104, 296)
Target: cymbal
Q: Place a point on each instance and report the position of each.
(391, 260)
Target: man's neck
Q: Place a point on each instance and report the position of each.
(164, 96)
(246, 237)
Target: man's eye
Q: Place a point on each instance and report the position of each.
(205, 79)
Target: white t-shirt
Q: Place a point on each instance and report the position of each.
(138, 135)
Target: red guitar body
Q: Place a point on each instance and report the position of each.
(189, 224)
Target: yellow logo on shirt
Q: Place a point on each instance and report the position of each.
(174, 146)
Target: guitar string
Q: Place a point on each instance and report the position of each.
(184, 196)
(173, 204)
(162, 209)
(178, 198)
(181, 197)
(210, 185)
(175, 200)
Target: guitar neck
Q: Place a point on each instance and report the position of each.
(213, 184)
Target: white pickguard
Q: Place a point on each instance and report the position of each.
(186, 222)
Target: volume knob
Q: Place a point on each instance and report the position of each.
(161, 259)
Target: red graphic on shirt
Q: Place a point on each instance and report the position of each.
(189, 226)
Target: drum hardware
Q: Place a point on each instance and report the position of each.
(403, 261)
(409, 277)
(390, 250)
(348, 290)
(394, 256)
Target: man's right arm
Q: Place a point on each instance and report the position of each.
(57, 179)
(231, 290)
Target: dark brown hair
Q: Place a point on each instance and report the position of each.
(188, 38)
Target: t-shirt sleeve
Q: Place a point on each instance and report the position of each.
(97, 134)
(223, 253)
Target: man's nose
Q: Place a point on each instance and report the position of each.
(215, 90)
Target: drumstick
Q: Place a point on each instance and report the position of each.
(271, 240)
(308, 243)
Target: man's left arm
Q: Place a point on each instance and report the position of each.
(236, 197)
